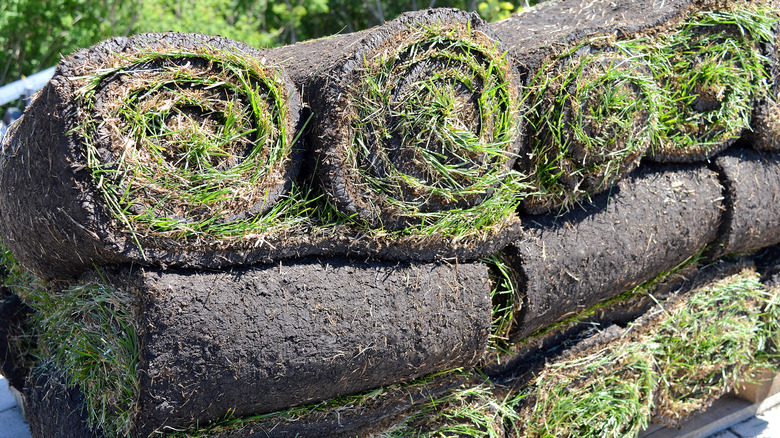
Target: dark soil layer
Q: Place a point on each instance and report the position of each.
(752, 181)
(765, 135)
(648, 224)
(55, 410)
(13, 315)
(263, 339)
(56, 220)
(550, 27)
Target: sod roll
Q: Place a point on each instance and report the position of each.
(766, 127)
(668, 365)
(712, 70)
(647, 224)
(55, 409)
(752, 219)
(611, 81)
(190, 347)
(160, 148)
(591, 104)
(416, 123)
(593, 123)
(765, 135)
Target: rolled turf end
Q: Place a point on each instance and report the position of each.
(752, 181)
(257, 340)
(713, 70)
(142, 148)
(419, 129)
(594, 116)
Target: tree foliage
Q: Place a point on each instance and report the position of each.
(33, 33)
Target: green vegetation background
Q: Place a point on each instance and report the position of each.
(35, 33)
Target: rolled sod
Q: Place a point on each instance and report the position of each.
(752, 219)
(649, 223)
(668, 365)
(585, 138)
(190, 347)
(155, 147)
(765, 135)
(56, 409)
(593, 123)
(592, 104)
(766, 126)
(713, 71)
(415, 123)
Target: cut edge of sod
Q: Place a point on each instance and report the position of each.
(164, 174)
(711, 72)
(595, 109)
(432, 135)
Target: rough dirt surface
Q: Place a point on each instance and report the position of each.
(752, 180)
(267, 338)
(370, 415)
(650, 223)
(548, 28)
(53, 409)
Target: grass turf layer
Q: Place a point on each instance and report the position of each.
(419, 132)
(89, 331)
(594, 114)
(671, 363)
(183, 143)
(711, 70)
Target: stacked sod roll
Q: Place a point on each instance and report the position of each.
(267, 337)
(431, 237)
(421, 128)
(676, 81)
(650, 223)
(159, 147)
(166, 148)
(672, 361)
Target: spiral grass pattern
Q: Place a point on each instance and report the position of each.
(432, 134)
(594, 118)
(711, 71)
(191, 142)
